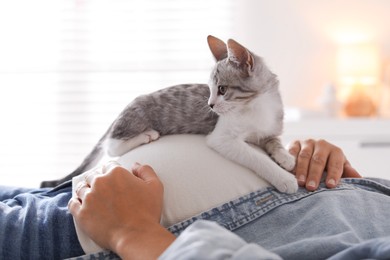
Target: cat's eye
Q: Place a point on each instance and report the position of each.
(222, 90)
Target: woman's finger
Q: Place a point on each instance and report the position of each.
(294, 148)
(82, 189)
(317, 165)
(109, 166)
(334, 167)
(90, 175)
(303, 161)
(144, 172)
(74, 206)
(349, 171)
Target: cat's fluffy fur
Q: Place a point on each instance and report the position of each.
(251, 111)
(247, 111)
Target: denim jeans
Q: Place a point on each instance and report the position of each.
(307, 225)
(36, 224)
(304, 225)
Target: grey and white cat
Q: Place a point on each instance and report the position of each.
(246, 111)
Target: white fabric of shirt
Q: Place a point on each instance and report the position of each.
(208, 240)
(195, 177)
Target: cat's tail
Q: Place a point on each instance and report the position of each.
(91, 160)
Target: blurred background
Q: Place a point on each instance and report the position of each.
(68, 67)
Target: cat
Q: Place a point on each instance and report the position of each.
(241, 107)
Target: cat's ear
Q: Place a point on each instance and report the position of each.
(218, 47)
(239, 55)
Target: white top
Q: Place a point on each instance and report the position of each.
(195, 178)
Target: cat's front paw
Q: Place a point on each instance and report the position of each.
(288, 184)
(285, 160)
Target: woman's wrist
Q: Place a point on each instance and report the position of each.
(143, 243)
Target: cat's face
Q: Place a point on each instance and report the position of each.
(237, 78)
(229, 91)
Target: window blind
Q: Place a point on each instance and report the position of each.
(68, 68)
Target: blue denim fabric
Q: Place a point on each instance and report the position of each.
(36, 224)
(304, 225)
(307, 225)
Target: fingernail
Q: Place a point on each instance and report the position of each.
(301, 180)
(332, 182)
(136, 165)
(311, 184)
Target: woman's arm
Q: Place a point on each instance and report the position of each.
(316, 156)
(121, 212)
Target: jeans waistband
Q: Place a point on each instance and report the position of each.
(243, 210)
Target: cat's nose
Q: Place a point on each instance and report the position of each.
(211, 105)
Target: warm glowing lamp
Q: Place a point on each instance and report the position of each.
(358, 69)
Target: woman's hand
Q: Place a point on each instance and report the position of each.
(316, 156)
(121, 211)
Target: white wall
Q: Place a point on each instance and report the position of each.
(299, 38)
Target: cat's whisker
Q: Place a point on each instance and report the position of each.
(207, 109)
(204, 105)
